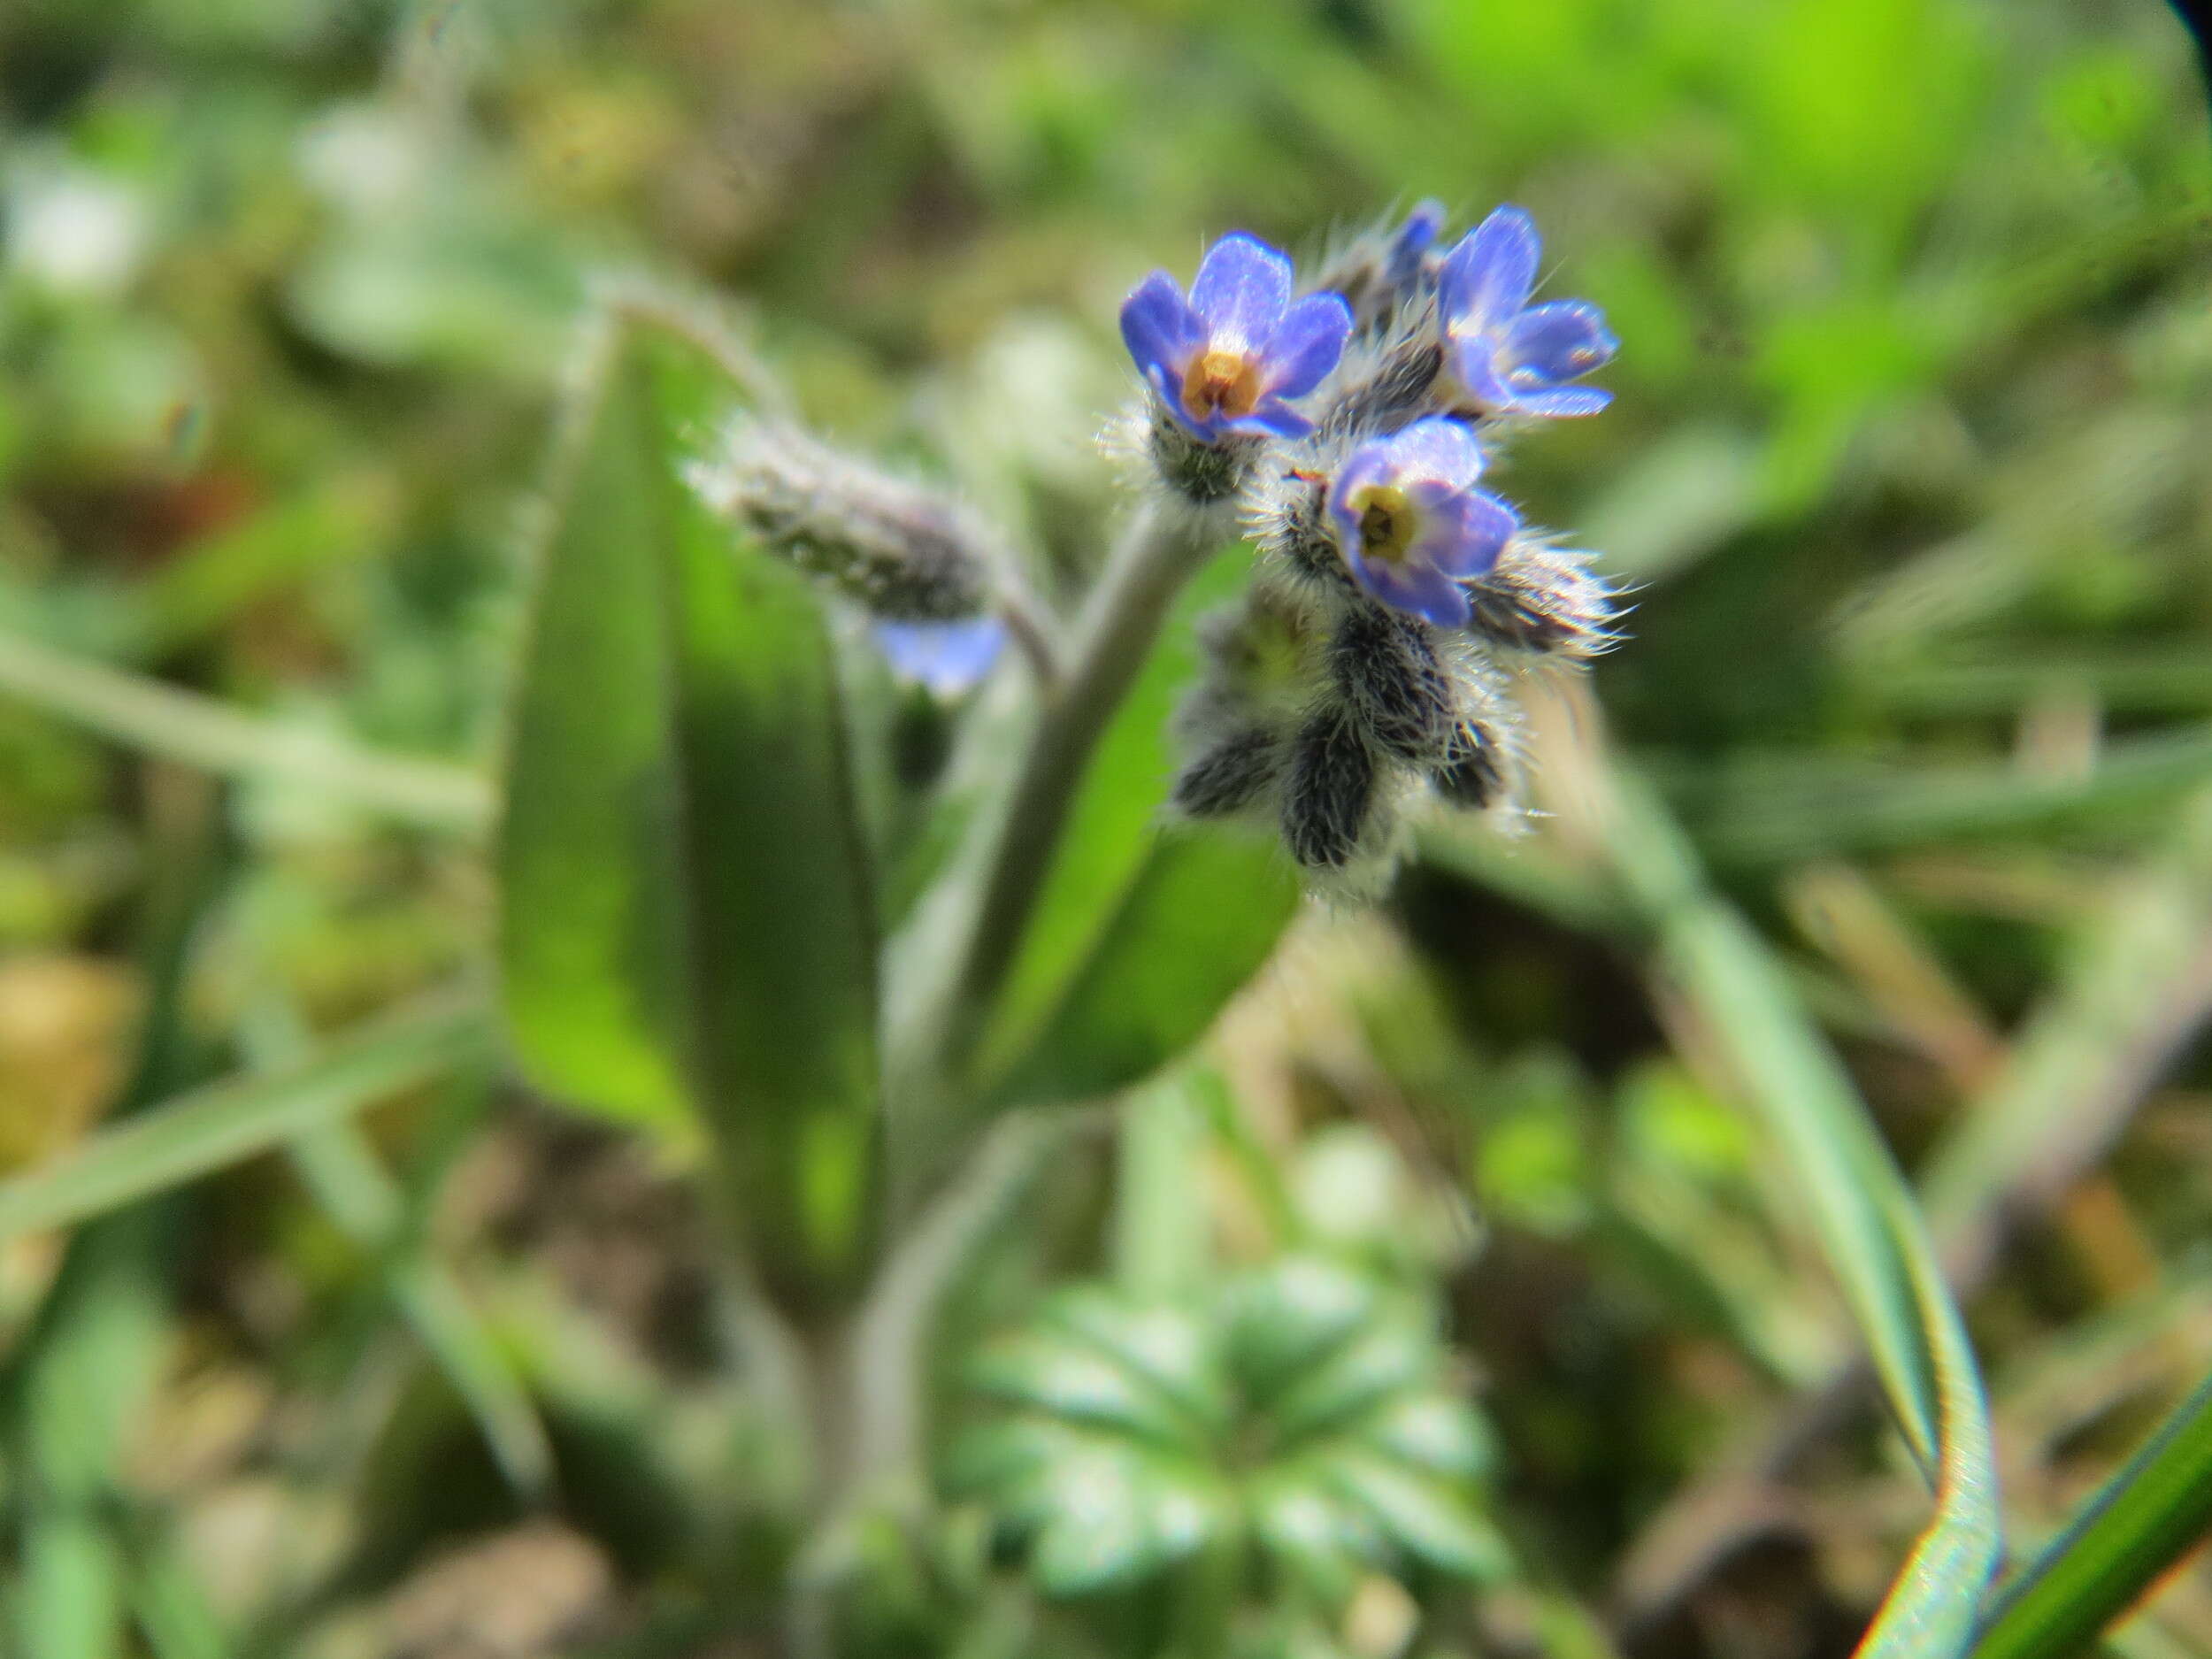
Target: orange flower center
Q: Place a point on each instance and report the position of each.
(1226, 383)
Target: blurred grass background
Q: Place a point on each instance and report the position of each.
(1910, 465)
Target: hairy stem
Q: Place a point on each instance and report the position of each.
(1154, 557)
(1030, 626)
(867, 1382)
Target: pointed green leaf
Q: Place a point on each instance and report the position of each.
(1200, 917)
(1117, 1516)
(1282, 1320)
(1143, 930)
(689, 923)
(1388, 1358)
(1428, 1519)
(1436, 1432)
(1856, 1201)
(1080, 1383)
(1164, 1347)
(2149, 1515)
(212, 1128)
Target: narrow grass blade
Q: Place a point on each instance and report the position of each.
(2143, 1520)
(93, 1355)
(1762, 813)
(2138, 986)
(204, 732)
(216, 1126)
(1857, 1204)
(342, 1172)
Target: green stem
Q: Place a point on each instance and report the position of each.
(1160, 550)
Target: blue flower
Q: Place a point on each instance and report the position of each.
(1410, 523)
(1509, 356)
(947, 657)
(1226, 359)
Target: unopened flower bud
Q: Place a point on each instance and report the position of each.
(1544, 599)
(1481, 770)
(899, 549)
(1235, 773)
(1329, 794)
(1386, 667)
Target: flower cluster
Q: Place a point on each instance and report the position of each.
(1350, 424)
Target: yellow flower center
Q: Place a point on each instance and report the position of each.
(1222, 382)
(1387, 522)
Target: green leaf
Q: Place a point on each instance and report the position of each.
(2151, 1513)
(1164, 1346)
(688, 926)
(1428, 1519)
(1857, 1202)
(1118, 1516)
(1324, 1541)
(1387, 1359)
(1081, 1384)
(1438, 1433)
(1142, 931)
(1282, 1320)
(1199, 918)
(216, 1126)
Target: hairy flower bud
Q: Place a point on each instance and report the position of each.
(1236, 774)
(1481, 772)
(1329, 792)
(1382, 267)
(1387, 388)
(899, 549)
(1544, 599)
(1290, 523)
(1204, 473)
(1387, 669)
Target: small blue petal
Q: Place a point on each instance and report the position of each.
(1422, 589)
(1465, 537)
(1475, 365)
(1414, 239)
(1169, 383)
(1370, 464)
(1565, 402)
(947, 657)
(1307, 344)
(1242, 288)
(1437, 448)
(1274, 415)
(1487, 278)
(1160, 330)
(1561, 341)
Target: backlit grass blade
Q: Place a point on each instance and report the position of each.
(216, 1126)
(1857, 1202)
(1757, 813)
(204, 732)
(2135, 990)
(2141, 1522)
